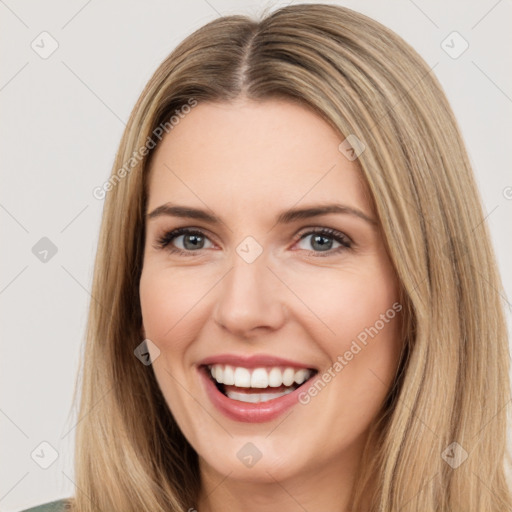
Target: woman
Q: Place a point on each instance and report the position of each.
(295, 301)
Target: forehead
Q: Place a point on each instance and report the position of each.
(270, 154)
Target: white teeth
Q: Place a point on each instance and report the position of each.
(242, 377)
(229, 375)
(301, 376)
(258, 377)
(275, 378)
(218, 374)
(255, 398)
(288, 377)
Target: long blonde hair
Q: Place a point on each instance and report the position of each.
(453, 381)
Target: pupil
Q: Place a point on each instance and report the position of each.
(197, 240)
(322, 246)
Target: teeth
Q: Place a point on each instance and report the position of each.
(258, 377)
(275, 378)
(288, 377)
(218, 374)
(228, 376)
(242, 377)
(302, 376)
(255, 398)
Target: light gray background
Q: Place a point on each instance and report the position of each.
(62, 119)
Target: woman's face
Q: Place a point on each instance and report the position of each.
(265, 290)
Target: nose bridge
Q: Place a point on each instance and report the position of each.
(249, 263)
(249, 295)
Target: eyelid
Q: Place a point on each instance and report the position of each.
(334, 233)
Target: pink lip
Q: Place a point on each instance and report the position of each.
(254, 361)
(243, 411)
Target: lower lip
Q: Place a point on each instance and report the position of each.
(248, 412)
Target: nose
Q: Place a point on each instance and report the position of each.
(250, 298)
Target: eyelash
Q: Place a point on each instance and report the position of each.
(164, 241)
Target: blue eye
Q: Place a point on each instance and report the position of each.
(193, 241)
(322, 240)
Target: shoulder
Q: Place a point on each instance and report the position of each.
(54, 506)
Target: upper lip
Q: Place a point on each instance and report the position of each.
(252, 361)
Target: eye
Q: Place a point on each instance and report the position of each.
(192, 240)
(322, 240)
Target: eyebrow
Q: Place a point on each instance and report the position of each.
(284, 217)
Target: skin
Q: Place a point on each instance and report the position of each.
(246, 162)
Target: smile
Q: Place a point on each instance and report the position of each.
(253, 388)
(246, 385)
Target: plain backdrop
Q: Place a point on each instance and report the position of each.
(62, 116)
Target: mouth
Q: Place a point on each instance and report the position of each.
(257, 385)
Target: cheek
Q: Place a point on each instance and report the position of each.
(167, 304)
(360, 331)
(343, 303)
(167, 316)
